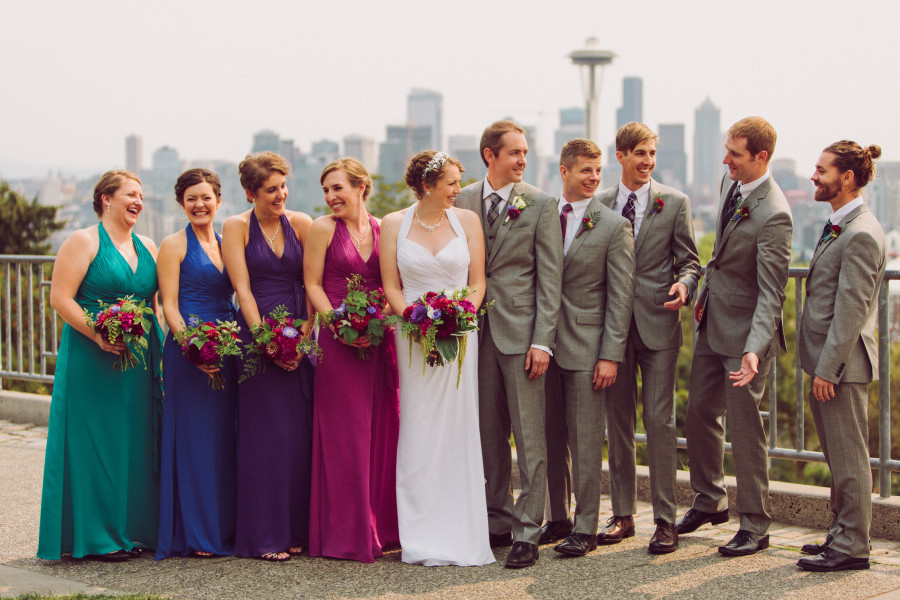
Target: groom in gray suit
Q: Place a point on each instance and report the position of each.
(523, 270)
(597, 294)
(739, 333)
(837, 348)
(666, 273)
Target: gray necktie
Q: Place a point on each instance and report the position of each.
(733, 205)
(494, 211)
(628, 210)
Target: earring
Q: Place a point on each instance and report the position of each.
(360, 197)
(428, 193)
(107, 206)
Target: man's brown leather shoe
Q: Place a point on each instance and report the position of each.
(616, 530)
(665, 538)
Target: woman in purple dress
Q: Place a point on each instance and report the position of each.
(263, 252)
(353, 511)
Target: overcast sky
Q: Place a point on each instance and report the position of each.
(203, 76)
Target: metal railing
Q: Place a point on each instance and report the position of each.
(27, 344)
(29, 328)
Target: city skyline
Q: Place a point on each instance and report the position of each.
(200, 79)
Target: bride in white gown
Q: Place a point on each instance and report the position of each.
(432, 246)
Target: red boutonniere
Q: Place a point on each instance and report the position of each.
(587, 223)
(658, 205)
(741, 213)
(835, 231)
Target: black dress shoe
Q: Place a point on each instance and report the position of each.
(577, 544)
(744, 543)
(832, 560)
(117, 556)
(694, 518)
(501, 540)
(665, 538)
(817, 548)
(522, 555)
(553, 531)
(616, 530)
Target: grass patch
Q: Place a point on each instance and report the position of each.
(81, 596)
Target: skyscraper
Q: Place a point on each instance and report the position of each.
(708, 153)
(265, 140)
(632, 108)
(671, 159)
(402, 143)
(134, 154)
(465, 149)
(362, 149)
(423, 109)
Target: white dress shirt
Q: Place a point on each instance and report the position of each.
(640, 205)
(573, 224)
(747, 188)
(838, 215)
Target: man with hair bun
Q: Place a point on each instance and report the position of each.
(739, 332)
(838, 350)
(666, 273)
(523, 271)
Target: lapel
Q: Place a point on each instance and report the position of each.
(750, 204)
(844, 222)
(505, 223)
(649, 218)
(593, 206)
(608, 198)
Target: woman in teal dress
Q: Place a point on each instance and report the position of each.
(101, 482)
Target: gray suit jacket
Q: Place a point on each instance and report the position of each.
(839, 345)
(743, 290)
(665, 253)
(523, 269)
(597, 292)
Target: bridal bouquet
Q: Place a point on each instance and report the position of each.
(276, 337)
(125, 321)
(439, 323)
(360, 313)
(207, 343)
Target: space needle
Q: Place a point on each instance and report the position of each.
(589, 58)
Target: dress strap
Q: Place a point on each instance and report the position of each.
(454, 222)
(407, 221)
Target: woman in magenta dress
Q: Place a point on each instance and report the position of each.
(353, 512)
(263, 252)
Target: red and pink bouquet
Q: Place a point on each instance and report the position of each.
(440, 323)
(125, 321)
(276, 337)
(360, 313)
(207, 343)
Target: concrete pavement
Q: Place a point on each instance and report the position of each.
(625, 570)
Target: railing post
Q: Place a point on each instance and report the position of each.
(801, 405)
(884, 391)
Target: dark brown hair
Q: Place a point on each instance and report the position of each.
(850, 156)
(493, 137)
(256, 168)
(632, 134)
(192, 177)
(416, 177)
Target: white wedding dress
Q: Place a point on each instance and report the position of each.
(441, 502)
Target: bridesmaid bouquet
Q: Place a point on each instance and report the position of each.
(439, 323)
(125, 321)
(360, 313)
(205, 343)
(276, 337)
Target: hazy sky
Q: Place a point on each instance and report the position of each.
(203, 76)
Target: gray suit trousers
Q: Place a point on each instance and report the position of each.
(843, 431)
(658, 398)
(559, 459)
(507, 399)
(711, 396)
(583, 418)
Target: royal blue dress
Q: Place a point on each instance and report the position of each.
(198, 470)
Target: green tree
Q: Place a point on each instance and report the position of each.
(25, 227)
(388, 197)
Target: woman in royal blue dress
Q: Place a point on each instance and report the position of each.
(197, 483)
(263, 250)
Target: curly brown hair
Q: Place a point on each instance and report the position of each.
(418, 174)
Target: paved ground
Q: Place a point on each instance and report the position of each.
(626, 570)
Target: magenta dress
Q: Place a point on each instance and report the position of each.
(274, 414)
(353, 507)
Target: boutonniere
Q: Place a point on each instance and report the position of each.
(658, 205)
(587, 223)
(741, 213)
(516, 206)
(835, 231)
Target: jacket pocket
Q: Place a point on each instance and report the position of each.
(527, 300)
(817, 326)
(740, 301)
(589, 319)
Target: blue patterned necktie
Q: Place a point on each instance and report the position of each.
(826, 233)
(733, 205)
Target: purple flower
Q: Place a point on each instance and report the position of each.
(289, 332)
(115, 309)
(418, 313)
(193, 322)
(371, 310)
(340, 310)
